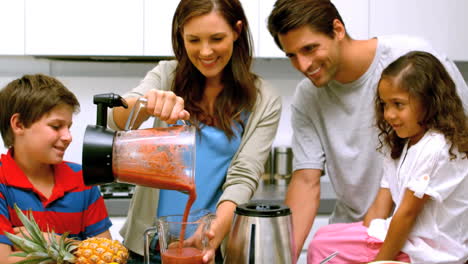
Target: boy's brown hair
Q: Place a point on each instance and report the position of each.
(31, 96)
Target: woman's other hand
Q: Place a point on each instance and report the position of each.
(166, 105)
(209, 254)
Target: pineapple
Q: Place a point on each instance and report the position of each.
(36, 249)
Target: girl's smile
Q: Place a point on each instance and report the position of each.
(401, 111)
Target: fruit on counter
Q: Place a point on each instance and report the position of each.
(36, 249)
(101, 250)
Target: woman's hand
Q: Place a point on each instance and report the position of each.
(166, 106)
(220, 228)
(210, 251)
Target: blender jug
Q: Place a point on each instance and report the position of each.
(161, 158)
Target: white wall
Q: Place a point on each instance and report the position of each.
(86, 78)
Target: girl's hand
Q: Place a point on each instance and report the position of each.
(166, 106)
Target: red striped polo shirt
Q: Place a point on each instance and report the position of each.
(72, 207)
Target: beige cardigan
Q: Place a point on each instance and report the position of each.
(243, 173)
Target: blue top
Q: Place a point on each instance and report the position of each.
(214, 152)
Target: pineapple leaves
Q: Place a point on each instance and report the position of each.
(19, 254)
(36, 249)
(66, 247)
(30, 225)
(24, 244)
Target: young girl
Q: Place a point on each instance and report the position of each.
(421, 210)
(211, 84)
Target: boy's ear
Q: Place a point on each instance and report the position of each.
(15, 123)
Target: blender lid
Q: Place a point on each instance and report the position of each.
(263, 208)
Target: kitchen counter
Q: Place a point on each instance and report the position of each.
(275, 192)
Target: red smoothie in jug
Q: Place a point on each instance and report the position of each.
(145, 157)
(187, 255)
(162, 170)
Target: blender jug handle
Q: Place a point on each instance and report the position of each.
(142, 102)
(147, 242)
(135, 112)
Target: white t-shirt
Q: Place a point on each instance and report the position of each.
(440, 234)
(333, 128)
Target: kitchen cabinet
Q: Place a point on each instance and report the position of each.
(84, 27)
(251, 10)
(157, 27)
(12, 27)
(354, 13)
(266, 44)
(442, 23)
(143, 27)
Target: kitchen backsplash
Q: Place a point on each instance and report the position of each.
(86, 78)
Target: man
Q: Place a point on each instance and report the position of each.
(332, 111)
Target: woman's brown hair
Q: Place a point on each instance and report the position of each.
(240, 91)
(425, 79)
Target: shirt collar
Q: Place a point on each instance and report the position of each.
(15, 177)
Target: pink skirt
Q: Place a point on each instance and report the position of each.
(350, 240)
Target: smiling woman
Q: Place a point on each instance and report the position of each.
(208, 41)
(212, 86)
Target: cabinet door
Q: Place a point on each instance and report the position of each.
(251, 10)
(84, 27)
(354, 14)
(442, 23)
(158, 26)
(12, 27)
(267, 47)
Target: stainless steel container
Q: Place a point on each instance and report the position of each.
(270, 169)
(262, 232)
(283, 164)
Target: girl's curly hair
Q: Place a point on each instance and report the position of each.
(425, 79)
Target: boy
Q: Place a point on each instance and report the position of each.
(35, 119)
